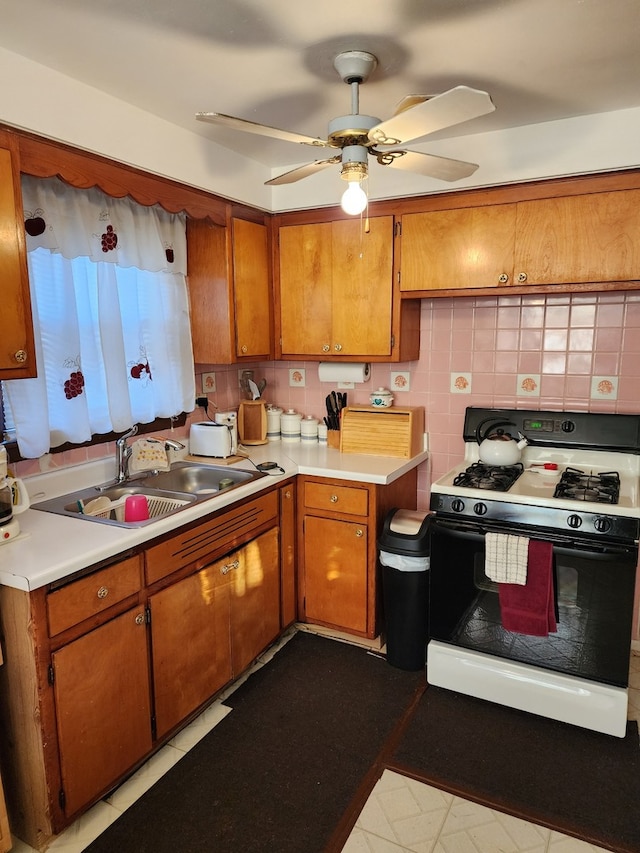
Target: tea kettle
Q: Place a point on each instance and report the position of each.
(13, 500)
(497, 447)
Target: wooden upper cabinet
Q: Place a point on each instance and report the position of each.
(575, 239)
(230, 291)
(17, 351)
(252, 289)
(336, 288)
(582, 238)
(458, 249)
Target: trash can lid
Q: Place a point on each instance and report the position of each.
(406, 531)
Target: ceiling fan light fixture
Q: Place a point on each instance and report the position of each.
(354, 170)
(354, 199)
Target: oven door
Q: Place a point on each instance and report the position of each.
(594, 584)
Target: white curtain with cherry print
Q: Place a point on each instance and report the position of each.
(111, 317)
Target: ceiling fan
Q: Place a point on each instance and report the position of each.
(359, 136)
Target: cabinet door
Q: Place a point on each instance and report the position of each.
(335, 573)
(190, 644)
(252, 290)
(103, 708)
(254, 589)
(456, 249)
(362, 287)
(306, 289)
(17, 352)
(585, 238)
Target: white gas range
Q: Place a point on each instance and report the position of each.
(586, 504)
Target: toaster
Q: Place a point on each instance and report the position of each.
(211, 439)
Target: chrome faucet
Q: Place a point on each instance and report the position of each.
(123, 452)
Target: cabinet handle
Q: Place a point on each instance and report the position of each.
(325, 347)
(244, 348)
(103, 592)
(359, 533)
(337, 347)
(228, 567)
(522, 276)
(20, 356)
(287, 494)
(139, 620)
(334, 499)
(503, 278)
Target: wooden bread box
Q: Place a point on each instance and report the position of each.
(382, 432)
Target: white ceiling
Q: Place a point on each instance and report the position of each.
(271, 61)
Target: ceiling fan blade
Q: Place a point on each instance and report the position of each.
(302, 172)
(441, 111)
(442, 168)
(260, 129)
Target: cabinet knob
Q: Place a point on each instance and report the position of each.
(244, 348)
(287, 494)
(139, 620)
(503, 278)
(522, 276)
(229, 567)
(325, 347)
(359, 533)
(334, 499)
(103, 592)
(337, 347)
(20, 356)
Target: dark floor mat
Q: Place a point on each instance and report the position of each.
(279, 771)
(574, 780)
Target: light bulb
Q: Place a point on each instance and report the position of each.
(354, 199)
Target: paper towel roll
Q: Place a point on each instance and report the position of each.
(331, 371)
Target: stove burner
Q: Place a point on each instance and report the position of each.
(580, 486)
(496, 478)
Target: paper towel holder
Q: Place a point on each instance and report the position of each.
(341, 371)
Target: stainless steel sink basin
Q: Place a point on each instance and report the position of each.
(200, 480)
(167, 493)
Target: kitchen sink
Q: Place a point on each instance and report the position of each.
(200, 480)
(167, 492)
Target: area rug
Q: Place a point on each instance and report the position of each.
(577, 781)
(279, 771)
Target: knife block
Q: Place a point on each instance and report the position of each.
(252, 422)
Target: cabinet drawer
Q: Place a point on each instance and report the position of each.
(92, 594)
(204, 543)
(344, 499)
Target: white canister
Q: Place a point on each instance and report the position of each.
(309, 429)
(381, 398)
(274, 414)
(322, 433)
(290, 425)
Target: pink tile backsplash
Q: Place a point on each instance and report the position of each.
(565, 338)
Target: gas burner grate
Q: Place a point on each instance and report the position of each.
(495, 478)
(579, 485)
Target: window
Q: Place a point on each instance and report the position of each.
(111, 317)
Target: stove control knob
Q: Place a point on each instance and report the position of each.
(480, 509)
(567, 426)
(574, 521)
(602, 524)
(457, 505)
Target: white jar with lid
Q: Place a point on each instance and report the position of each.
(381, 399)
(274, 413)
(290, 425)
(309, 429)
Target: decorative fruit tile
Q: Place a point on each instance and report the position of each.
(208, 383)
(604, 387)
(400, 380)
(528, 385)
(460, 383)
(297, 377)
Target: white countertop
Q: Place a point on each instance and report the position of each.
(50, 546)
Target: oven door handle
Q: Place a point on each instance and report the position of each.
(477, 531)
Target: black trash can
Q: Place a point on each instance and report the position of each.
(404, 556)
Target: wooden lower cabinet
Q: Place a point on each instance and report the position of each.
(190, 644)
(254, 598)
(103, 706)
(338, 576)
